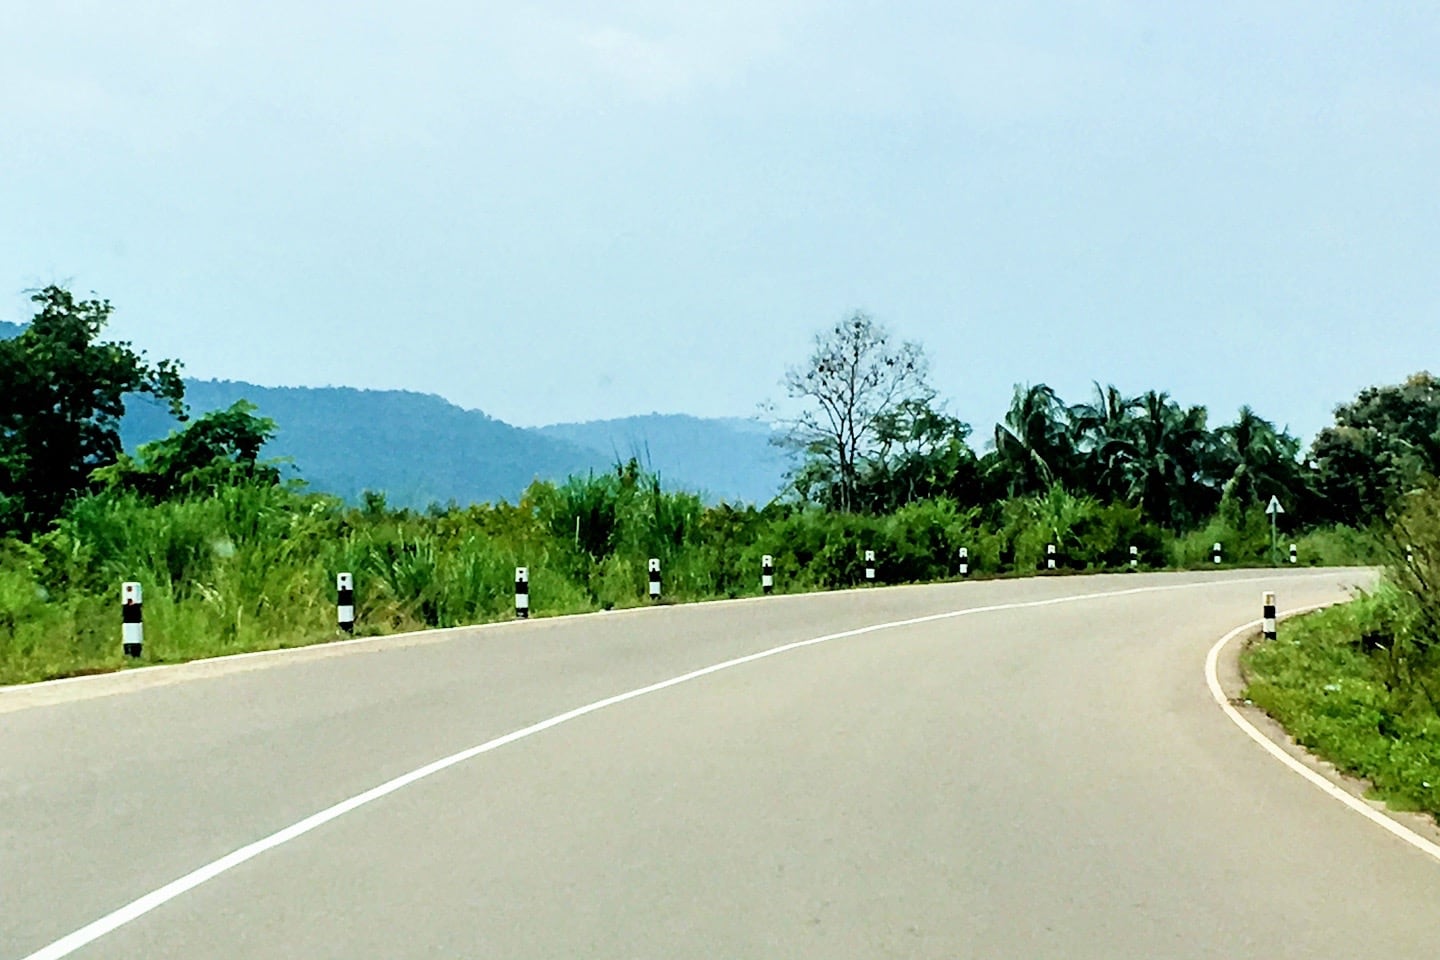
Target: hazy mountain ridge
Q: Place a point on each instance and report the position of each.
(417, 448)
(727, 458)
(420, 448)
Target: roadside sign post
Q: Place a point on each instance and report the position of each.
(1274, 509)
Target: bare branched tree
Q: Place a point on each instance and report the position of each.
(853, 380)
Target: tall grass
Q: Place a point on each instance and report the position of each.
(253, 567)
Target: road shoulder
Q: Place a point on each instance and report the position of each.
(1232, 680)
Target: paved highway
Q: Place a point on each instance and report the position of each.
(1043, 776)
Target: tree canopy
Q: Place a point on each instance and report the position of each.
(1144, 450)
(1381, 445)
(871, 431)
(65, 391)
(853, 388)
(221, 448)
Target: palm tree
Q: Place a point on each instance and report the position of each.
(1099, 432)
(1170, 446)
(1253, 459)
(1033, 444)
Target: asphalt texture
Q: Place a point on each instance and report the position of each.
(1047, 779)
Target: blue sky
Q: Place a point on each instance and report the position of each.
(562, 211)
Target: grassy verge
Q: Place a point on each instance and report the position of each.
(80, 636)
(252, 566)
(1342, 687)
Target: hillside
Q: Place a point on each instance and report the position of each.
(417, 448)
(727, 459)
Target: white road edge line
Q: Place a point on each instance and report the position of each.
(1212, 678)
(138, 908)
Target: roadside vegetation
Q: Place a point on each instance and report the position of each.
(1359, 684)
(232, 558)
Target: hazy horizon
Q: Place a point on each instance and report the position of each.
(978, 440)
(553, 213)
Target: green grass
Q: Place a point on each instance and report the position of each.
(1333, 680)
(252, 567)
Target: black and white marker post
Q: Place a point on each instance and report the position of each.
(1269, 615)
(522, 593)
(1049, 556)
(767, 574)
(345, 602)
(132, 621)
(1134, 557)
(654, 578)
(1294, 554)
(1215, 551)
(869, 566)
(964, 561)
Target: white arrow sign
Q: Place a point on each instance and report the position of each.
(1274, 507)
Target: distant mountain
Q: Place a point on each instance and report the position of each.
(415, 447)
(725, 458)
(419, 448)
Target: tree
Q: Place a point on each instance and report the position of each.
(1381, 445)
(1033, 447)
(221, 448)
(1254, 460)
(1164, 474)
(920, 454)
(854, 378)
(1100, 433)
(64, 395)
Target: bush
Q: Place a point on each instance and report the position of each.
(1414, 567)
(1336, 547)
(252, 565)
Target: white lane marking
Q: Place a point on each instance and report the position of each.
(1212, 678)
(138, 908)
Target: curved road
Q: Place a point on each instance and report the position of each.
(1045, 775)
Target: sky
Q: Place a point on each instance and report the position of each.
(556, 211)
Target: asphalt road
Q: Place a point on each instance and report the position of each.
(1041, 780)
